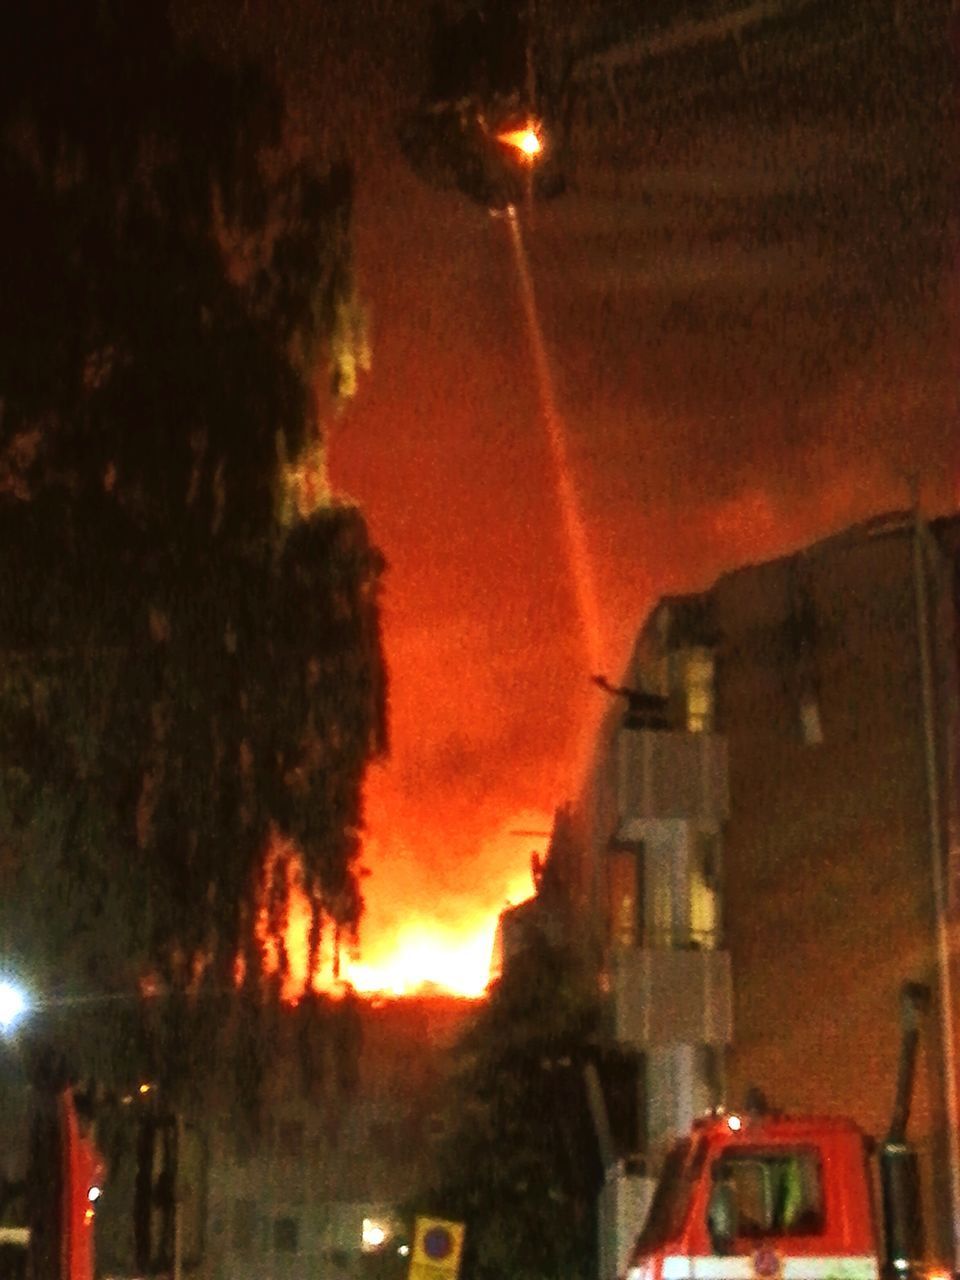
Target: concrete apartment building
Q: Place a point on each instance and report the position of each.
(652, 819)
(322, 1191)
(764, 845)
(325, 1190)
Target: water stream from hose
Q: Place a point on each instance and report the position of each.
(575, 535)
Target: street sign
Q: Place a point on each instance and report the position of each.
(437, 1246)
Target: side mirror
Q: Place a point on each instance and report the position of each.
(722, 1216)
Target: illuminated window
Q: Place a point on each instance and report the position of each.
(704, 890)
(811, 730)
(698, 687)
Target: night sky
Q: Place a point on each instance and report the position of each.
(749, 303)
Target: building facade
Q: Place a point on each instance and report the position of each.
(770, 862)
(322, 1186)
(653, 817)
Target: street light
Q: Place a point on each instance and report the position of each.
(13, 1005)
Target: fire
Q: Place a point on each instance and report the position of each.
(427, 954)
(451, 954)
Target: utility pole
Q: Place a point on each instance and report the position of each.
(177, 1192)
(922, 538)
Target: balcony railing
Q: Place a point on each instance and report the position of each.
(664, 775)
(662, 997)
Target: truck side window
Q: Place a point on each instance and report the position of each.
(777, 1192)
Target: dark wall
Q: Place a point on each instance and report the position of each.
(828, 888)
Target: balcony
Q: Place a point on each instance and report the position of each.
(665, 775)
(670, 997)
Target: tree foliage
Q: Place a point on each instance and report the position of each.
(191, 655)
(519, 1164)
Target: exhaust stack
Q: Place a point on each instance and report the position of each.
(899, 1171)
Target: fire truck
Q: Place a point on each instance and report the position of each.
(759, 1195)
(54, 1238)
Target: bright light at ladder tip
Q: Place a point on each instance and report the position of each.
(734, 1124)
(13, 1005)
(526, 141)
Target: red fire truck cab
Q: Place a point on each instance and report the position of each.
(759, 1197)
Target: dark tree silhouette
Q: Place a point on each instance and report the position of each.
(188, 620)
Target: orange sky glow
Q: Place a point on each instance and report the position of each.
(744, 344)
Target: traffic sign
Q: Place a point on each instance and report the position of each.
(437, 1246)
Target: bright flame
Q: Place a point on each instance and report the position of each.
(525, 140)
(427, 954)
(421, 952)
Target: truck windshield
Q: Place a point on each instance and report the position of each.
(777, 1192)
(671, 1200)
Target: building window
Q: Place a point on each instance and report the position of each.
(385, 1138)
(811, 730)
(290, 1139)
(286, 1232)
(705, 891)
(624, 874)
(243, 1145)
(698, 687)
(709, 1076)
(243, 1234)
